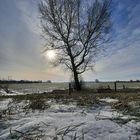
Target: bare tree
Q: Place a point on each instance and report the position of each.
(76, 29)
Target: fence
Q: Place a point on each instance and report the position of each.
(116, 86)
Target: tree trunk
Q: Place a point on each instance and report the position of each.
(74, 70)
(76, 80)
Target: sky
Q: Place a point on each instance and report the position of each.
(21, 44)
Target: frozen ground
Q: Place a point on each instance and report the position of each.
(69, 122)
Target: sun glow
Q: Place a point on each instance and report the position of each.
(51, 55)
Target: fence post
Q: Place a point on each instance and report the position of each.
(123, 86)
(69, 88)
(115, 84)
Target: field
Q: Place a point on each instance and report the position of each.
(48, 87)
(35, 111)
(30, 88)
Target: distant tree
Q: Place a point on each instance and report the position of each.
(96, 81)
(76, 29)
(49, 81)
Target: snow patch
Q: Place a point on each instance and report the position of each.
(109, 100)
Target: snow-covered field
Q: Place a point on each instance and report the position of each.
(59, 121)
(48, 87)
(30, 88)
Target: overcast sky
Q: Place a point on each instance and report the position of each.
(21, 44)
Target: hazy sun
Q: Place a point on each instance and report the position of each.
(51, 55)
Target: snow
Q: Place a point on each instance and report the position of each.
(4, 103)
(12, 92)
(24, 92)
(59, 119)
(109, 100)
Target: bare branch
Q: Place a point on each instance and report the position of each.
(75, 29)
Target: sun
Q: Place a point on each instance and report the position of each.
(51, 55)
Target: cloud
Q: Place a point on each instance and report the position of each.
(21, 44)
(123, 52)
(29, 14)
(122, 64)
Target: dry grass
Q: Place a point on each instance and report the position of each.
(85, 98)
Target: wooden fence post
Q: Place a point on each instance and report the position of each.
(70, 88)
(115, 84)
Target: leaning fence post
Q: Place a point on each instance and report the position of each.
(115, 84)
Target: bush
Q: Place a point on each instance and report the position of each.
(37, 104)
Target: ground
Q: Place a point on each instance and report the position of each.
(79, 116)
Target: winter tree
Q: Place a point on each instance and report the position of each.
(76, 29)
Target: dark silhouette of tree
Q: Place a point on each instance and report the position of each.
(76, 29)
(97, 81)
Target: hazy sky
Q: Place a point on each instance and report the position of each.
(21, 44)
